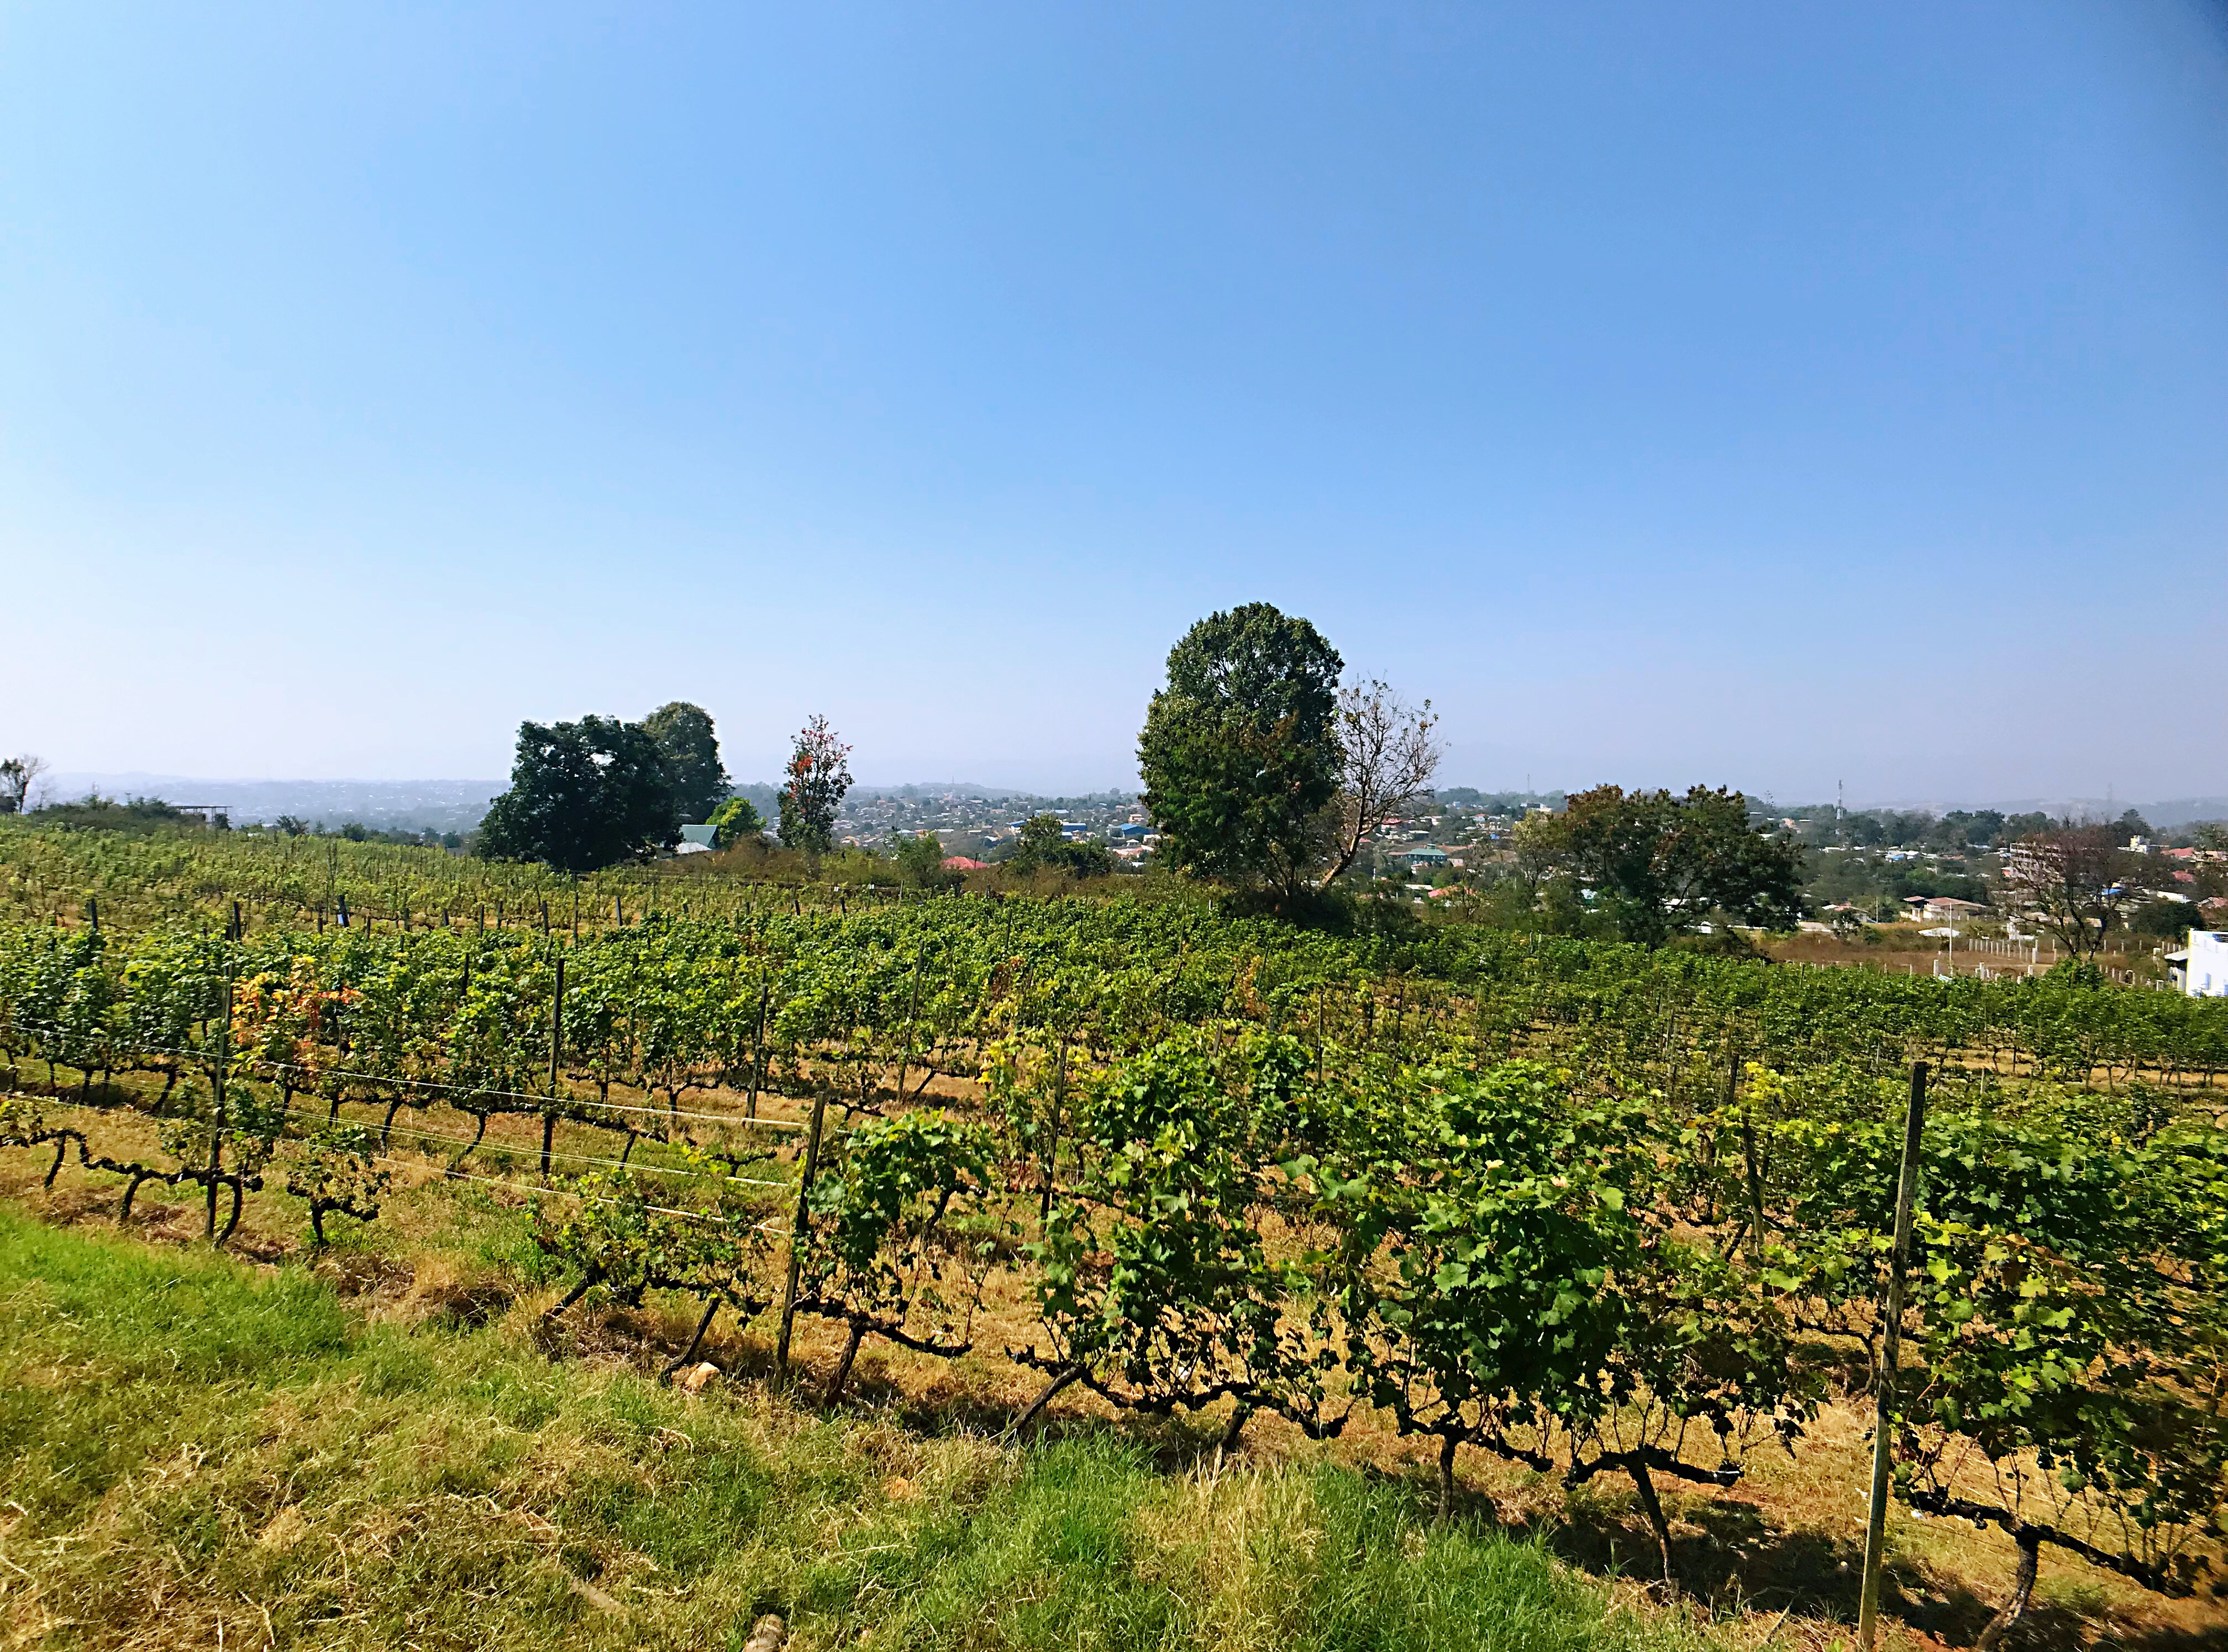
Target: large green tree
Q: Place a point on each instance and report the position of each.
(1660, 864)
(690, 746)
(582, 795)
(1240, 750)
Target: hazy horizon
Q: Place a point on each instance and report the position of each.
(1779, 398)
(62, 785)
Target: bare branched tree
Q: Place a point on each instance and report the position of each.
(18, 776)
(1390, 760)
(2069, 880)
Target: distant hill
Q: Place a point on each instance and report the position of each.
(387, 805)
(2179, 811)
(2175, 811)
(2166, 815)
(457, 805)
(414, 805)
(917, 788)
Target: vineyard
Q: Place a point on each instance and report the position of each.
(1586, 1212)
(318, 883)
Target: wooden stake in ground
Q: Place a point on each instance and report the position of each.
(796, 1233)
(758, 1055)
(556, 1043)
(217, 1097)
(1748, 1155)
(1914, 1122)
(913, 1007)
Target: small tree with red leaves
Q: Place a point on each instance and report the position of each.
(819, 773)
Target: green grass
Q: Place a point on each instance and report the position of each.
(186, 1442)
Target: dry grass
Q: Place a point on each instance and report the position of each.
(201, 1452)
(1902, 949)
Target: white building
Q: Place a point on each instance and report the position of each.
(2205, 975)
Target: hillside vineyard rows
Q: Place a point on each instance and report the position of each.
(1587, 1207)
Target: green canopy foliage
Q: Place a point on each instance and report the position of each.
(733, 821)
(583, 795)
(920, 861)
(1240, 749)
(690, 747)
(1044, 846)
(1659, 864)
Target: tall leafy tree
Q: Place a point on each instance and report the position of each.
(1240, 750)
(583, 795)
(1659, 864)
(690, 746)
(818, 774)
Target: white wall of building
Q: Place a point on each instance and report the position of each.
(2207, 974)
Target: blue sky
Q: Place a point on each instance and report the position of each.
(1766, 393)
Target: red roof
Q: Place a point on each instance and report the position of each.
(961, 863)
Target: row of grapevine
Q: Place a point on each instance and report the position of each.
(138, 879)
(863, 1004)
(1586, 1207)
(1548, 1262)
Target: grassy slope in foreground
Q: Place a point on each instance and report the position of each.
(186, 1443)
